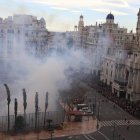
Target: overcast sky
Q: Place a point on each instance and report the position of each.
(62, 15)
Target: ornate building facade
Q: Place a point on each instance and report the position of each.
(19, 34)
(114, 53)
(22, 31)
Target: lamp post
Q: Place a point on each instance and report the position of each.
(95, 104)
(8, 103)
(98, 114)
(39, 110)
(50, 127)
(114, 125)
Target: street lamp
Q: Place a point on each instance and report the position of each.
(36, 108)
(15, 108)
(39, 110)
(114, 131)
(98, 114)
(95, 104)
(50, 127)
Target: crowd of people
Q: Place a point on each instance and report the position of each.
(131, 107)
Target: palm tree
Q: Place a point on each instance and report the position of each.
(24, 104)
(36, 108)
(16, 107)
(46, 106)
(8, 103)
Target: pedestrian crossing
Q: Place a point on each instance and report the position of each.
(88, 137)
(120, 122)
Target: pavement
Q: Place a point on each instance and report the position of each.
(86, 130)
(88, 125)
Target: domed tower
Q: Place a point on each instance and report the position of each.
(138, 29)
(110, 18)
(75, 28)
(81, 23)
(42, 21)
(138, 23)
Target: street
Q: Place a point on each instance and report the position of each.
(112, 123)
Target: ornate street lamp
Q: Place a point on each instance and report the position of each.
(50, 127)
(8, 103)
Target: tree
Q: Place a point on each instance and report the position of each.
(46, 106)
(36, 108)
(16, 107)
(8, 103)
(24, 104)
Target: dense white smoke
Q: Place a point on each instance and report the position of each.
(36, 75)
(49, 74)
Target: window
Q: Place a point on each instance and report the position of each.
(111, 74)
(107, 72)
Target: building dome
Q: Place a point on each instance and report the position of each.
(81, 16)
(42, 20)
(110, 17)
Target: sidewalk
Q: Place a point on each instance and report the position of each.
(70, 128)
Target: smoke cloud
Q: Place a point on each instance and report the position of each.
(39, 75)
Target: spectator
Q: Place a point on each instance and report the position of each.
(114, 106)
(128, 125)
(125, 119)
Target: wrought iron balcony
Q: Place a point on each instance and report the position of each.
(121, 82)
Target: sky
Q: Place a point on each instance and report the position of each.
(62, 15)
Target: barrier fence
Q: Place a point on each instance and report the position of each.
(57, 118)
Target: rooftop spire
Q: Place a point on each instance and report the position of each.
(139, 12)
(81, 16)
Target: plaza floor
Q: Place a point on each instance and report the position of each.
(88, 125)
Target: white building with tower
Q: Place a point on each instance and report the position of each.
(20, 33)
(114, 53)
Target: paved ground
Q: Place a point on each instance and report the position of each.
(106, 108)
(112, 122)
(107, 114)
(88, 125)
